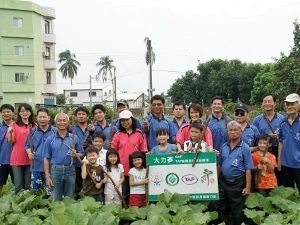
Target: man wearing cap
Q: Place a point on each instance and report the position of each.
(127, 140)
(268, 123)
(123, 105)
(289, 143)
(250, 133)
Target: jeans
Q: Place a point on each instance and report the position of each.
(63, 178)
(22, 177)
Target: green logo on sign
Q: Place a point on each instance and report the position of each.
(172, 179)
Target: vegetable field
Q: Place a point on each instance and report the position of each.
(281, 207)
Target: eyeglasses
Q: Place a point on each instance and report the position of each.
(157, 104)
(239, 113)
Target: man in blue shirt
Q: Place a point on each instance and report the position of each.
(34, 147)
(218, 122)
(289, 143)
(179, 110)
(7, 112)
(60, 151)
(234, 167)
(101, 124)
(156, 120)
(268, 123)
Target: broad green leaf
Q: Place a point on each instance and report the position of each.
(180, 199)
(284, 192)
(132, 213)
(256, 216)
(256, 200)
(140, 222)
(273, 219)
(89, 204)
(165, 197)
(112, 208)
(105, 218)
(13, 218)
(5, 206)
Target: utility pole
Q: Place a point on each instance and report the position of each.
(115, 90)
(150, 58)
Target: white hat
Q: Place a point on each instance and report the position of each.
(125, 114)
(292, 98)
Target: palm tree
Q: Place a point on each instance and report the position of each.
(106, 68)
(150, 59)
(69, 66)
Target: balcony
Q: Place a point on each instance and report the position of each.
(49, 38)
(49, 89)
(49, 64)
(48, 12)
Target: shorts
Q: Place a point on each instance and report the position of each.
(113, 198)
(5, 170)
(137, 200)
(38, 180)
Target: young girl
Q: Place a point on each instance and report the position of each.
(162, 137)
(137, 179)
(116, 171)
(196, 134)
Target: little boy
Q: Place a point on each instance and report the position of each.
(264, 162)
(196, 133)
(92, 175)
(98, 140)
(162, 137)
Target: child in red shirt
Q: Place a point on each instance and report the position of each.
(264, 162)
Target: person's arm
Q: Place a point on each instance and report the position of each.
(143, 143)
(83, 170)
(122, 178)
(49, 182)
(133, 183)
(247, 189)
(10, 135)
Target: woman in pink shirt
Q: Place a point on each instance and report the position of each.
(195, 113)
(17, 135)
(128, 140)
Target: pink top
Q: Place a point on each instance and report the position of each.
(184, 135)
(126, 144)
(19, 155)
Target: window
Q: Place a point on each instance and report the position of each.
(19, 50)
(19, 77)
(47, 52)
(93, 93)
(48, 77)
(109, 92)
(47, 27)
(73, 94)
(18, 22)
(105, 93)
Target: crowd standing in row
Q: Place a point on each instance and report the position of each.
(103, 160)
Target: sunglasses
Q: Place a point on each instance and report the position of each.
(239, 113)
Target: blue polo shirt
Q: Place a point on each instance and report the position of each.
(5, 147)
(250, 135)
(235, 162)
(38, 140)
(138, 123)
(155, 124)
(106, 131)
(218, 129)
(57, 152)
(289, 136)
(176, 126)
(262, 125)
(170, 149)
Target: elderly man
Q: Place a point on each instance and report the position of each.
(289, 143)
(234, 166)
(60, 151)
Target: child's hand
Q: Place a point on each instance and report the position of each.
(85, 161)
(198, 150)
(117, 186)
(98, 185)
(265, 160)
(259, 166)
(104, 180)
(146, 180)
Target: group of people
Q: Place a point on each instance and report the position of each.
(107, 161)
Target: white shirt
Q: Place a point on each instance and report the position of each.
(189, 146)
(115, 174)
(138, 175)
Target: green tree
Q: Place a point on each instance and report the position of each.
(60, 99)
(69, 65)
(107, 69)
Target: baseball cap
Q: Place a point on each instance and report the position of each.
(292, 98)
(241, 106)
(122, 102)
(125, 114)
